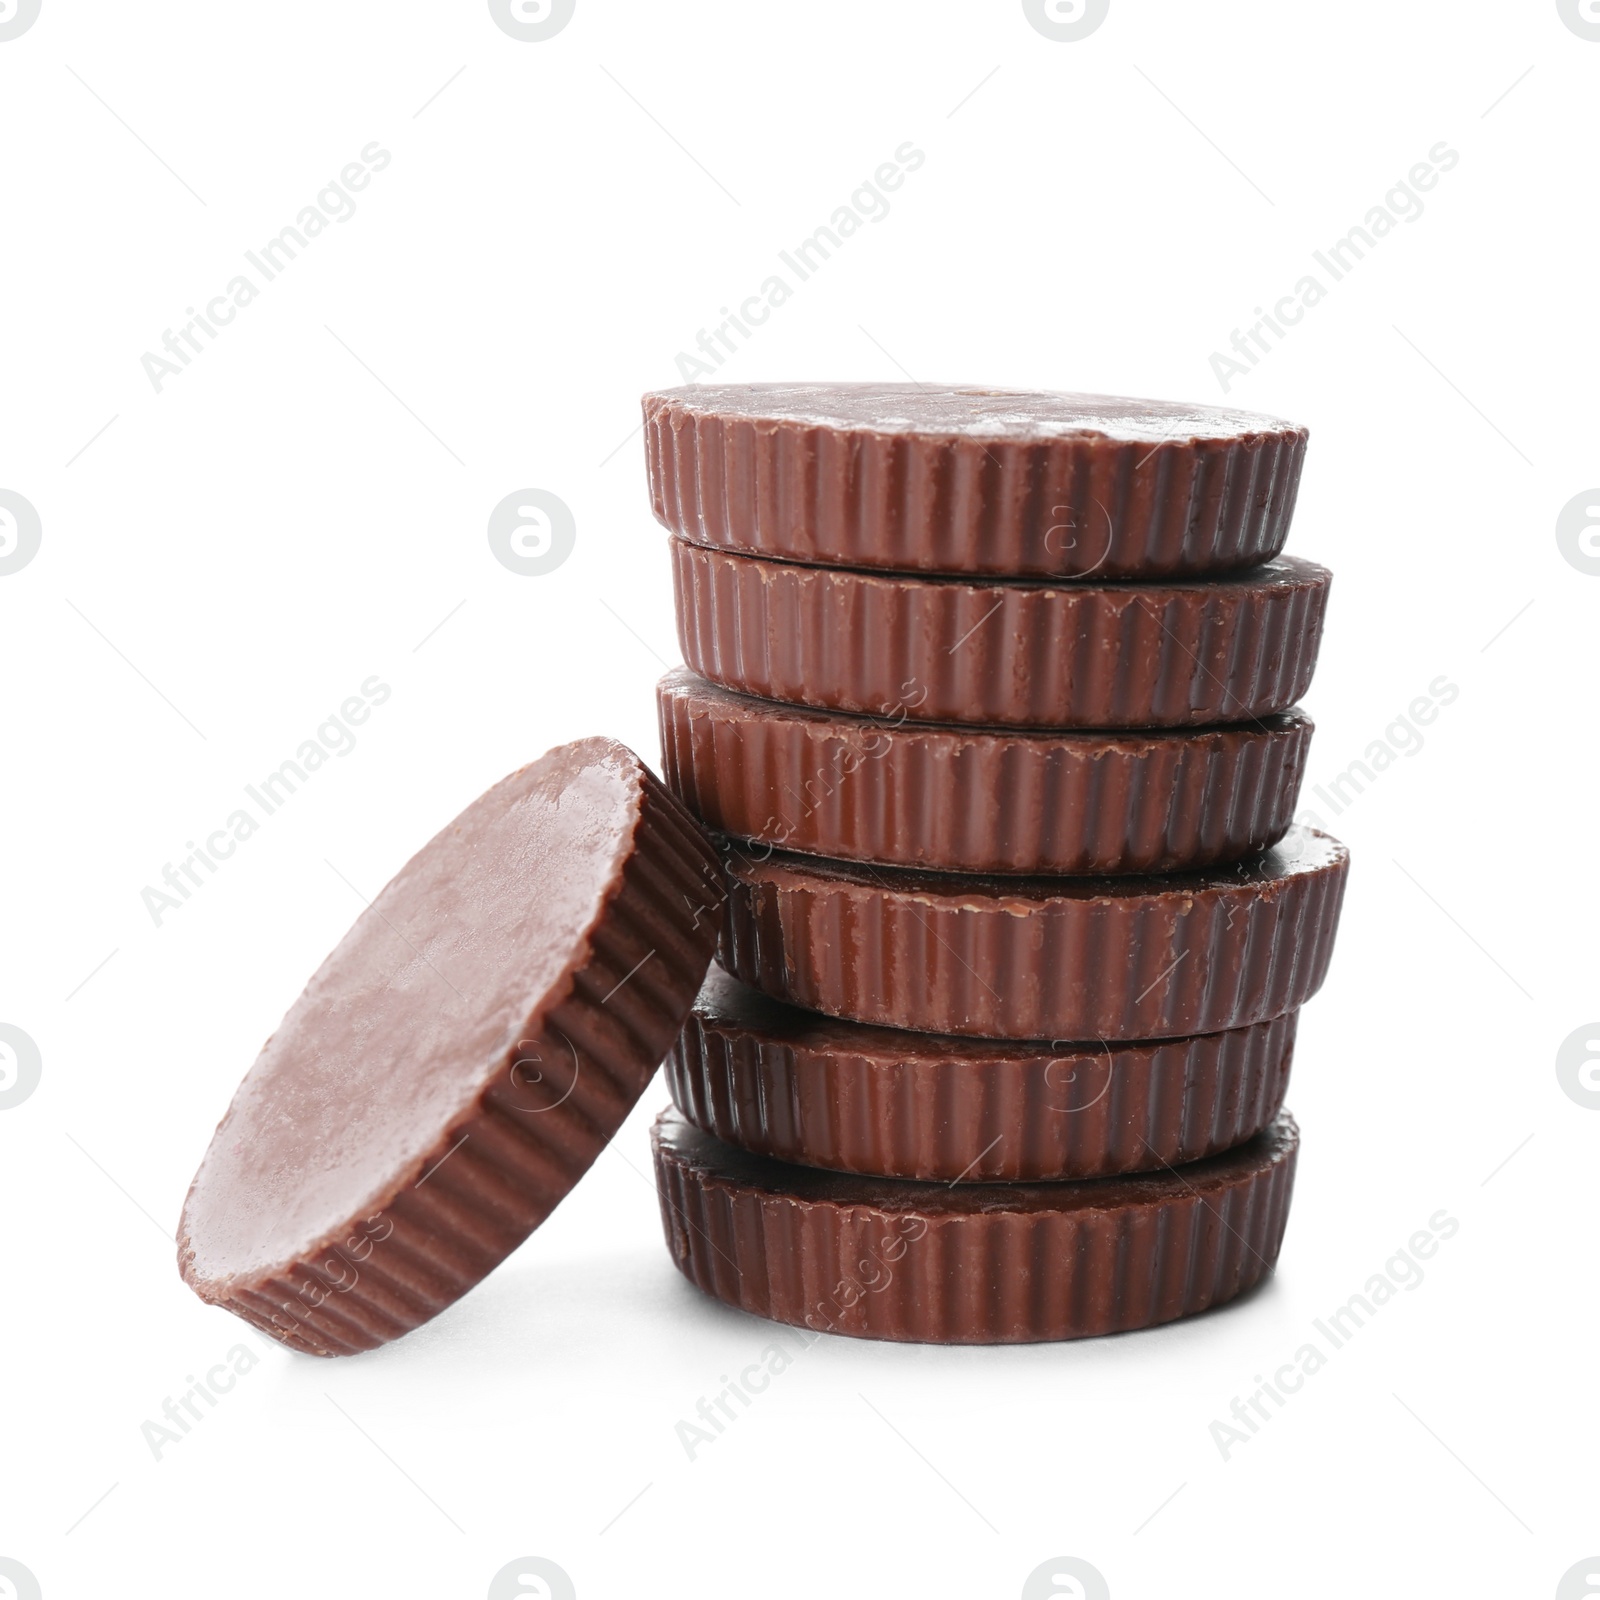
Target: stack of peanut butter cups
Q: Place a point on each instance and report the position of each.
(991, 701)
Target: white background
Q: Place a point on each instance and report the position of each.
(306, 506)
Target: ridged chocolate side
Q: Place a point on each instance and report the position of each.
(798, 1087)
(978, 800)
(1171, 654)
(1039, 958)
(495, 1176)
(1066, 507)
(978, 1264)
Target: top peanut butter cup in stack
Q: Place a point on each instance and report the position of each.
(973, 481)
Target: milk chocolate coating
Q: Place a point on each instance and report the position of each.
(799, 1087)
(965, 799)
(984, 481)
(460, 1059)
(971, 1263)
(1178, 653)
(1155, 957)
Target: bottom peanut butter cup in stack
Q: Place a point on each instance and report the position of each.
(1012, 1263)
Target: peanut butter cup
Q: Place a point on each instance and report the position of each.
(1152, 957)
(969, 799)
(937, 1263)
(460, 1059)
(1175, 653)
(887, 1103)
(918, 478)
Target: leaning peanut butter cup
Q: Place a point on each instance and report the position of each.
(460, 1059)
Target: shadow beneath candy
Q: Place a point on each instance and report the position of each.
(560, 1317)
(561, 1323)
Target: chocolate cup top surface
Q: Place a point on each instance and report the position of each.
(934, 411)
